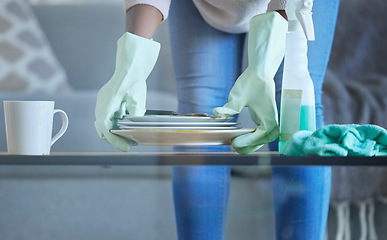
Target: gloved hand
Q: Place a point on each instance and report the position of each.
(255, 87)
(126, 90)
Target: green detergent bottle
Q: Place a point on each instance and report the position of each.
(297, 99)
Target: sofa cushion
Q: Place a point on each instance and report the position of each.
(84, 38)
(28, 63)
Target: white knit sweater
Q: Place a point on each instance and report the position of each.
(231, 16)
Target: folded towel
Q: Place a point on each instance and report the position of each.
(339, 140)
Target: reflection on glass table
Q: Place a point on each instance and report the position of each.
(129, 195)
(188, 158)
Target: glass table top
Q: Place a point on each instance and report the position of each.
(187, 158)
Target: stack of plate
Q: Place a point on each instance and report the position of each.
(164, 122)
(179, 130)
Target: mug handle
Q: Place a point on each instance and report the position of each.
(65, 124)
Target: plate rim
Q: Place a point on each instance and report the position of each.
(130, 123)
(175, 118)
(181, 128)
(133, 135)
(183, 131)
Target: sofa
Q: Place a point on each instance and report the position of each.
(136, 202)
(83, 38)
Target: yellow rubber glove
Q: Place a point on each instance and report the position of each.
(126, 90)
(255, 87)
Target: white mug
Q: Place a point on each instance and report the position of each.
(29, 126)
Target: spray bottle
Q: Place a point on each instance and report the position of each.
(297, 100)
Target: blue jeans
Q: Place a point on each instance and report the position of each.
(207, 62)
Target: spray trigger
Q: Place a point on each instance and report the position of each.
(304, 16)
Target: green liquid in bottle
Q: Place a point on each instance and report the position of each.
(307, 121)
(308, 118)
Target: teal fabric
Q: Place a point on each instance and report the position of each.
(255, 88)
(126, 90)
(339, 140)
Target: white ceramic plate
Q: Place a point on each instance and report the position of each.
(177, 124)
(181, 137)
(170, 118)
(179, 127)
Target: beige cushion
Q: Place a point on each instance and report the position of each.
(27, 62)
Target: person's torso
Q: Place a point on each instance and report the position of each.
(231, 16)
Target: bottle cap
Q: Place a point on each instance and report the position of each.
(301, 12)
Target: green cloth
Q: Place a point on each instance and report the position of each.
(339, 140)
(255, 87)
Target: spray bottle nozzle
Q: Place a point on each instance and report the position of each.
(304, 16)
(301, 10)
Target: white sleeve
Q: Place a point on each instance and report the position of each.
(161, 5)
(276, 5)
